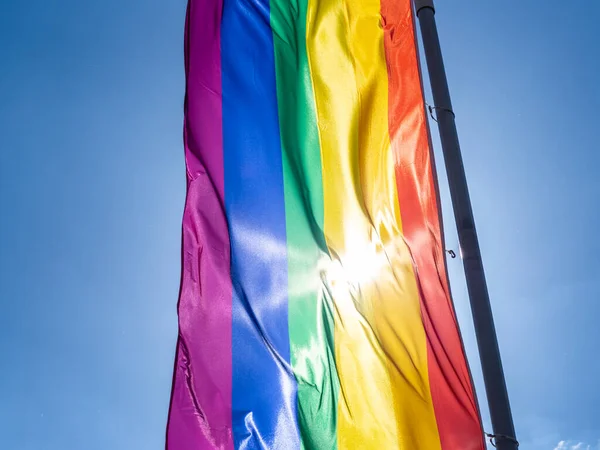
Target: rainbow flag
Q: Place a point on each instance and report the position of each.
(314, 311)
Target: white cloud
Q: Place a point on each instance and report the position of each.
(571, 445)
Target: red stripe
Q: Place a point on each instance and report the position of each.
(452, 392)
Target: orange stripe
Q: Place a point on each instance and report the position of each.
(451, 388)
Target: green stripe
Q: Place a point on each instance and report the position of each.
(310, 311)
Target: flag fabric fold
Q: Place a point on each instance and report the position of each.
(314, 310)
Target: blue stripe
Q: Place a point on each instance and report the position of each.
(264, 388)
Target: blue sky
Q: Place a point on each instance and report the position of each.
(92, 190)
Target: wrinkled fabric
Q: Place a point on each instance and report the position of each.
(314, 310)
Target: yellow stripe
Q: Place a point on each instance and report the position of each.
(381, 351)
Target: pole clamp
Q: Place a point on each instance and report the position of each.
(432, 108)
(421, 4)
(495, 437)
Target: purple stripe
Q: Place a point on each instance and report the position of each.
(200, 414)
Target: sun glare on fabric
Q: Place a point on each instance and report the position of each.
(354, 269)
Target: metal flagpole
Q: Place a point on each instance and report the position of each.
(489, 353)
